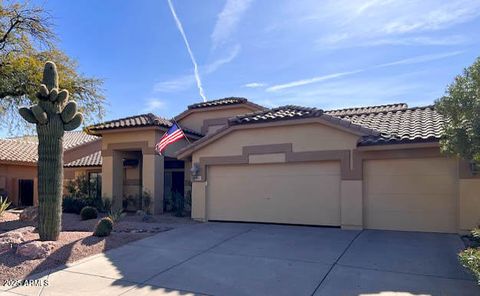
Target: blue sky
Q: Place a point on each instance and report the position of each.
(325, 54)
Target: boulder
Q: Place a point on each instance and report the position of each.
(12, 239)
(29, 214)
(36, 249)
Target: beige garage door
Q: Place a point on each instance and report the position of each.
(300, 193)
(413, 194)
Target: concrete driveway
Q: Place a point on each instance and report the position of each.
(257, 259)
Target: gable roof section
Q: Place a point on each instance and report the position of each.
(220, 103)
(24, 149)
(284, 113)
(92, 160)
(142, 120)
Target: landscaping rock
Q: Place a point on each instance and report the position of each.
(29, 214)
(12, 239)
(36, 249)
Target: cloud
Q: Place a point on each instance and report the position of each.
(312, 80)
(228, 20)
(201, 92)
(153, 104)
(186, 81)
(346, 23)
(254, 85)
(407, 61)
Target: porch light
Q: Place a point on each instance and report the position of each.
(195, 170)
(475, 167)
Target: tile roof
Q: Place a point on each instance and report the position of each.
(24, 148)
(419, 124)
(142, 120)
(219, 102)
(94, 159)
(368, 109)
(276, 114)
(18, 150)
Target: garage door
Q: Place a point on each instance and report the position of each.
(300, 193)
(413, 194)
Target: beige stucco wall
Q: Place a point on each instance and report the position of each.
(304, 137)
(411, 194)
(351, 202)
(469, 204)
(9, 176)
(194, 121)
(300, 193)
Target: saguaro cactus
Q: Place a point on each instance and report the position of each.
(53, 115)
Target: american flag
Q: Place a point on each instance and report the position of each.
(173, 134)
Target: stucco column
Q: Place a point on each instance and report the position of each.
(199, 206)
(351, 201)
(152, 180)
(112, 178)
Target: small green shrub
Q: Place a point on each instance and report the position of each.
(88, 213)
(73, 204)
(116, 216)
(104, 227)
(4, 204)
(470, 259)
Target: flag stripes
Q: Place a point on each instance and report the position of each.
(173, 134)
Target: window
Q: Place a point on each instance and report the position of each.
(95, 184)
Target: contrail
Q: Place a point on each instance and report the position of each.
(192, 57)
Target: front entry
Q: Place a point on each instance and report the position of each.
(25, 192)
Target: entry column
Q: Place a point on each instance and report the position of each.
(153, 178)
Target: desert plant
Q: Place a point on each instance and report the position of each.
(4, 204)
(107, 204)
(104, 227)
(470, 259)
(73, 205)
(116, 215)
(53, 115)
(146, 201)
(88, 213)
(179, 204)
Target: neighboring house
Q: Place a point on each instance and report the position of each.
(18, 164)
(377, 167)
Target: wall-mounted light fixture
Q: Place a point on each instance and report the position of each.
(195, 170)
(475, 168)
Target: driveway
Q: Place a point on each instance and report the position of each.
(259, 259)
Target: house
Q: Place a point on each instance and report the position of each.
(377, 167)
(18, 164)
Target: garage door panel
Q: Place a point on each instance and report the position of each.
(439, 184)
(304, 193)
(415, 194)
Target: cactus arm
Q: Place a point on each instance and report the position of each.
(62, 96)
(50, 75)
(69, 111)
(39, 114)
(74, 123)
(53, 94)
(27, 114)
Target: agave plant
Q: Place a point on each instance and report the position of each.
(4, 204)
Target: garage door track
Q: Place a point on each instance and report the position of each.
(261, 259)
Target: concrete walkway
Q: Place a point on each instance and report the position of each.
(256, 259)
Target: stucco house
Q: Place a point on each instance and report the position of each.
(376, 167)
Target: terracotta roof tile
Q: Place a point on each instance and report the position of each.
(219, 102)
(276, 114)
(94, 159)
(368, 109)
(142, 120)
(24, 149)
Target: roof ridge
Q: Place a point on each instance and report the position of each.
(365, 107)
(385, 111)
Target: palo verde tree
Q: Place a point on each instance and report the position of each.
(27, 41)
(53, 115)
(461, 107)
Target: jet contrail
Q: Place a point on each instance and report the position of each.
(192, 57)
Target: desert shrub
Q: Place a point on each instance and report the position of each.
(107, 204)
(88, 213)
(4, 204)
(146, 201)
(73, 205)
(104, 227)
(116, 215)
(470, 259)
(179, 204)
(80, 189)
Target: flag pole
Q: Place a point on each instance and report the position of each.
(186, 138)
